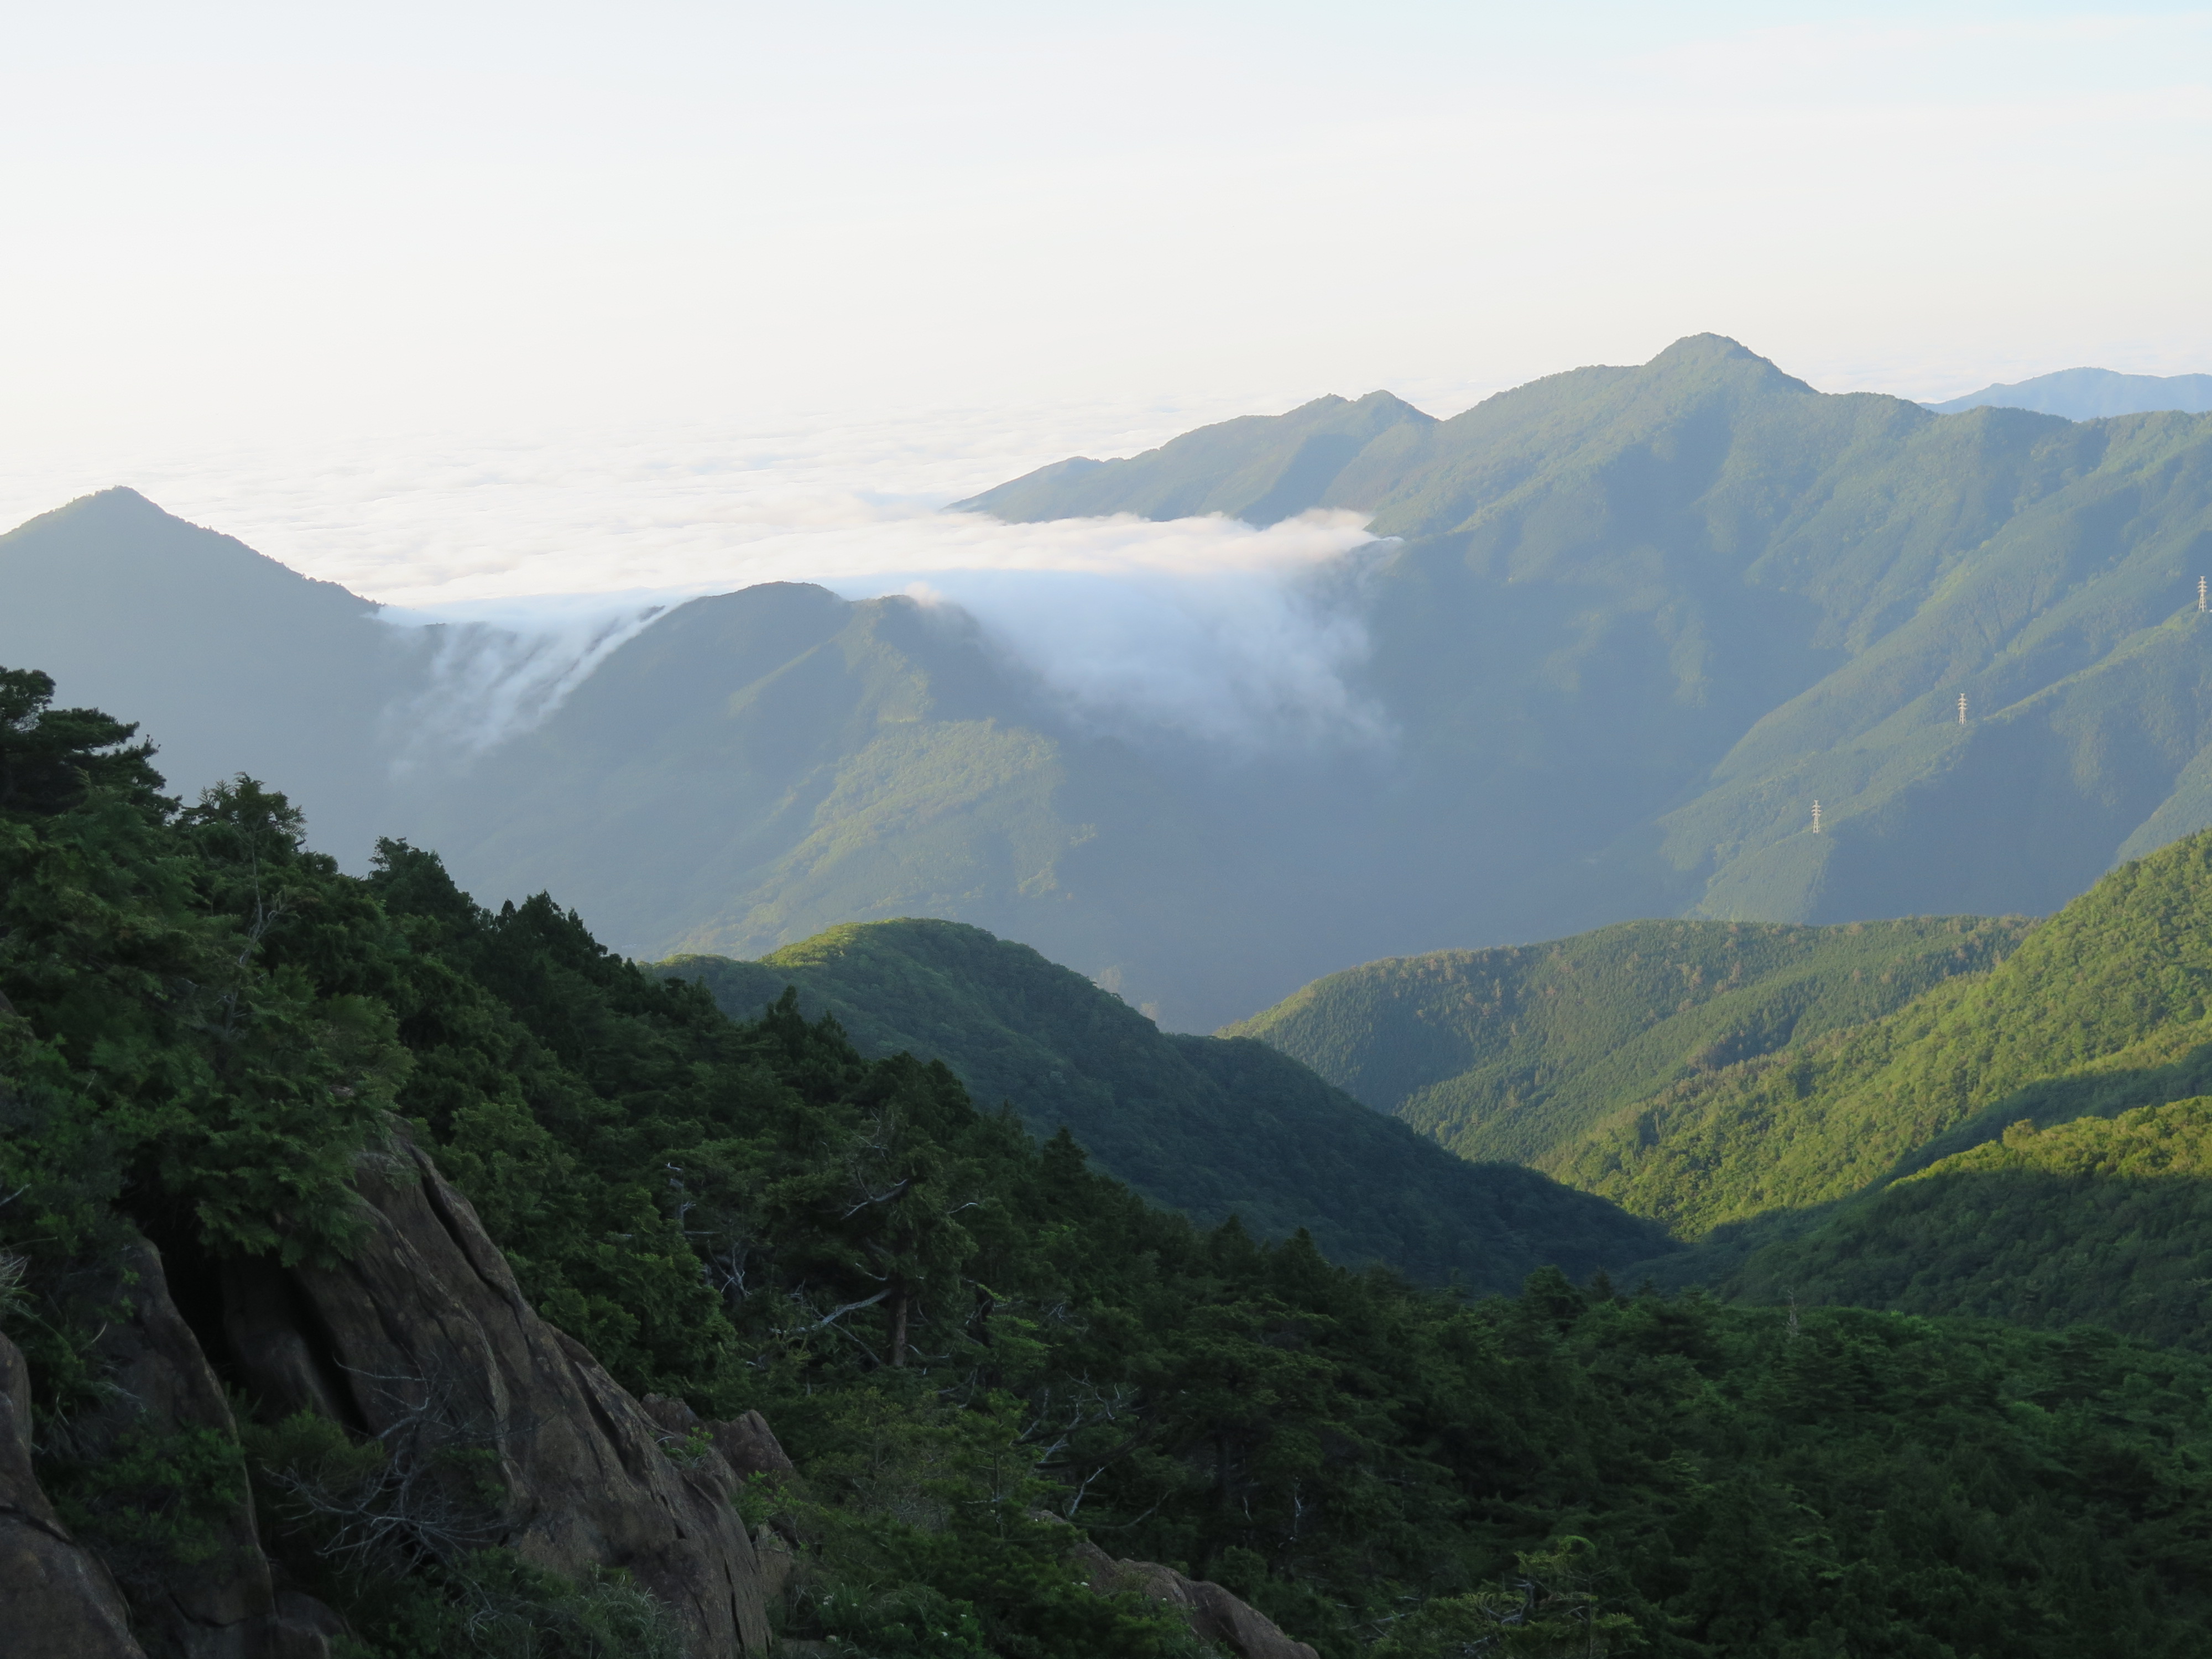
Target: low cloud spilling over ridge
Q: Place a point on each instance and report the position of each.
(1206, 629)
(1203, 628)
(544, 553)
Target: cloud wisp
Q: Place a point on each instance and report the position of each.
(1204, 629)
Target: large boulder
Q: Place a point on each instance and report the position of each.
(1213, 1614)
(425, 1340)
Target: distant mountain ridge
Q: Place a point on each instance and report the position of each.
(230, 661)
(1635, 623)
(2091, 394)
(1257, 468)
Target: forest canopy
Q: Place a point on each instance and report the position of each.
(974, 1348)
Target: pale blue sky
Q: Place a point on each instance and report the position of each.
(386, 229)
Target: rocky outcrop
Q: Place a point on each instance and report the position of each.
(213, 1600)
(750, 1447)
(425, 1340)
(1214, 1614)
(57, 1598)
(746, 1444)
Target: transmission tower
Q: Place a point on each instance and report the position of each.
(1962, 709)
(1816, 818)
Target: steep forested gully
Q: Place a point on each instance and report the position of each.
(385, 1275)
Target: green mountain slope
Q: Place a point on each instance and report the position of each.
(2102, 1220)
(984, 1360)
(1207, 1126)
(1937, 1117)
(2102, 1008)
(790, 757)
(1517, 1052)
(1657, 612)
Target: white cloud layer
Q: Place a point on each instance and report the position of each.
(546, 553)
(1206, 627)
(1202, 627)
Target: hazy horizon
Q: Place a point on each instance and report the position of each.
(529, 313)
(257, 229)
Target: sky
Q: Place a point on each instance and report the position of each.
(471, 304)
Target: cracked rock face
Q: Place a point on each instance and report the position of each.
(1213, 1614)
(216, 1606)
(426, 1322)
(423, 1331)
(57, 1598)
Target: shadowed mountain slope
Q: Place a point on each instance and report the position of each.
(233, 662)
(1206, 1125)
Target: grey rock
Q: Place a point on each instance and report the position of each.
(56, 1599)
(425, 1328)
(217, 1604)
(1214, 1614)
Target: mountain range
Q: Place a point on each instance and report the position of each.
(1622, 626)
(2091, 394)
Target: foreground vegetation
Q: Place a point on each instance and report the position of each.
(973, 1347)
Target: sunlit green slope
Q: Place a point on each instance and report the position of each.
(1516, 1052)
(2105, 1220)
(2004, 1141)
(1206, 1125)
(2100, 1009)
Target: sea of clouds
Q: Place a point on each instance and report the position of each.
(542, 554)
